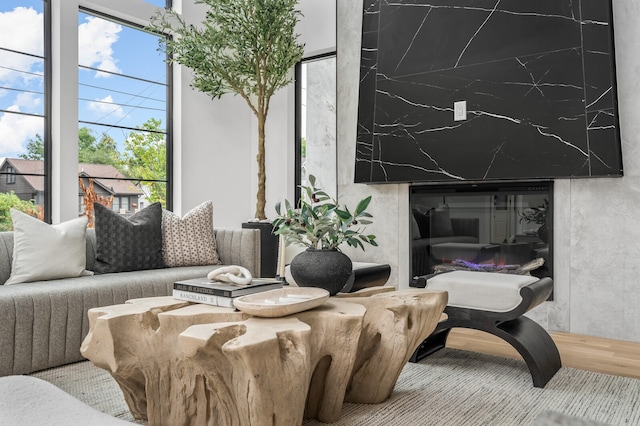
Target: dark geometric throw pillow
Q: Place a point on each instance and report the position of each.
(440, 222)
(128, 244)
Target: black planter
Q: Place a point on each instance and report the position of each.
(268, 248)
(327, 269)
(543, 233)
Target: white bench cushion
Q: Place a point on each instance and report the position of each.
(485, 291)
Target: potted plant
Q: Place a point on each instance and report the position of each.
(537, 215)
(321, 225)
(245, 47)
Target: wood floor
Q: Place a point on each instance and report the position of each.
(584, 352)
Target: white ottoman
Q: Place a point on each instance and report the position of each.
(495, 303)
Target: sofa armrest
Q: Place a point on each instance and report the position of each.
(239, 247)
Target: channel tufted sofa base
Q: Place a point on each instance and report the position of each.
(43, 324)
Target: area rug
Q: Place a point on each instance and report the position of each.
(452, 387)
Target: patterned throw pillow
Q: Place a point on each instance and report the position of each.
(128, 244)
(190, 241)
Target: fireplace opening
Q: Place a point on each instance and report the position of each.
(504, 227)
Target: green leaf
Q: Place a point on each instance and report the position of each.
(362, 205)
(320, 222)
(343, 214)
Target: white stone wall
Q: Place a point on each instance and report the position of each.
(321, 123)
(596, 221)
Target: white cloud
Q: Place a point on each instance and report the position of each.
(16, 129)
(95, 39)
(20, 29)
(29, 101)
(105, 106)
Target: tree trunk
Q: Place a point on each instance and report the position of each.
(262, 177)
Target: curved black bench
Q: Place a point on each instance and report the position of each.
(532, 341)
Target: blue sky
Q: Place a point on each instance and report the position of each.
(105, 97)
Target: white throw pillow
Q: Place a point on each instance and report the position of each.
(47, 252)
(189, 241)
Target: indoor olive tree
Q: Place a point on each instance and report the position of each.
(245, 47)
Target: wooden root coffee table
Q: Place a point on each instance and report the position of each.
(180, 363)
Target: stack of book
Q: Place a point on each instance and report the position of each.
(202, 290)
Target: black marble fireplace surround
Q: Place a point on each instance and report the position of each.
(537, 76)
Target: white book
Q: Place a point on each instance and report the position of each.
(208, 299)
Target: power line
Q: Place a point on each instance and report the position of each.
(33, 55)
(121, 75)
(21, 90)
(22, 113)
(23, 72)
(121, 92)
(119, 104)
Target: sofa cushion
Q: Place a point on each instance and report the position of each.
(189, 241)
(128, 244)
(47, 252)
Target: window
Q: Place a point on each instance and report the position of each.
(11, 177)
(23, 106)
(124, 109)
(121, 205)
(316, 122)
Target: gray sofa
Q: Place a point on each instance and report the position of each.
(43, 324)
(464, 230)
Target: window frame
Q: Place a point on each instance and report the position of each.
(298, 119)
(168, 119)
(10, 176)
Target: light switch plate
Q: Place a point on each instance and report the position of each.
(459, 110)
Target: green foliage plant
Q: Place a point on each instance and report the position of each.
(90, 149)
(535, 214)
(97, 151)
(320, 223)
(145, 156)
(35, 149)
(8, 201)
(245, 47)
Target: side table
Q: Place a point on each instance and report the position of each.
(183, 363)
